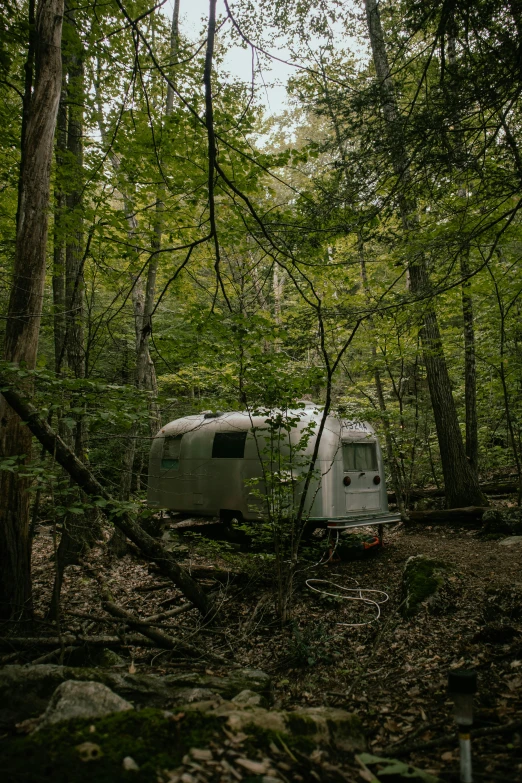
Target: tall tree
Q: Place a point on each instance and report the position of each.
(461, 481)
(470, 368)
(25, 303)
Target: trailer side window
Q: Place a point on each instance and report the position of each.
(171, 452)
(359, 456)
(230, 445)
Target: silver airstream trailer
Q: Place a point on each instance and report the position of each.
(208, 465)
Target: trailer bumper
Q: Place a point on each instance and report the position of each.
(363, 520)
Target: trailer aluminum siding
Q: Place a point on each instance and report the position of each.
(199, 465)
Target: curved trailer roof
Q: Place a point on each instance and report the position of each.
(335, 427)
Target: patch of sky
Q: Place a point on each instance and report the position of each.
(269, 71)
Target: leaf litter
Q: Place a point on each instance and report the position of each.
(392, 673)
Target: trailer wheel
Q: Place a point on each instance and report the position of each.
(228, 516)
(231, 520)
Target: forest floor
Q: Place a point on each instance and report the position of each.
(391, 672)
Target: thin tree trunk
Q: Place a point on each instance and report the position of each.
(392, 462)
(77, 531)
(143, 302)
(59, 238)
(394, 468)
(470, 370)
(74, 278)
(28, 92)
(461, 483)
(470, 367)
(503, 380)
(145, 366)
(25, 304)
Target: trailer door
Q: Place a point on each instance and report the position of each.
(361, 476)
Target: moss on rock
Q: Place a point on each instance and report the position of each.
(26, 690)
(153, 740)
(422, 579)
(156, 740)
(496, 523)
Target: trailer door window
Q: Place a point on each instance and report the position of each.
(359, 456)
(229, 445)
(171, 452)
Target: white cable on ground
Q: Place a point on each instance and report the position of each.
(359, 597)
(356, 589)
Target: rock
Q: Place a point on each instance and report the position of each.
(26, 690)
(326, 725)
(108, 658)
(249, 698)
(191, 695)
(188, 745)
(254, 767)
(200, 754)
(496, 634)
(86, 656)
(81, 700)
(498, 522)
(422, 582)
(511, 541)
(129, 765)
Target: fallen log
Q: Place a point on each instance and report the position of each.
(53, 642)
(54, 654)
(86, 480)
(489, 488)
(153, 588)
(156, 635)
(220, 575)
(467, 515)
(154, 618)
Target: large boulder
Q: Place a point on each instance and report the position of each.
(80, 699)
(25, 690)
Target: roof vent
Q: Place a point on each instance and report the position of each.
(212, 415)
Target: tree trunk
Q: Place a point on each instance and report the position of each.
(28, 92)
(59, 238)
(144, 364)
(470, 369)
(470, 372)
(462, 488)
(390, 454)
(25, 304)
(78, 531)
